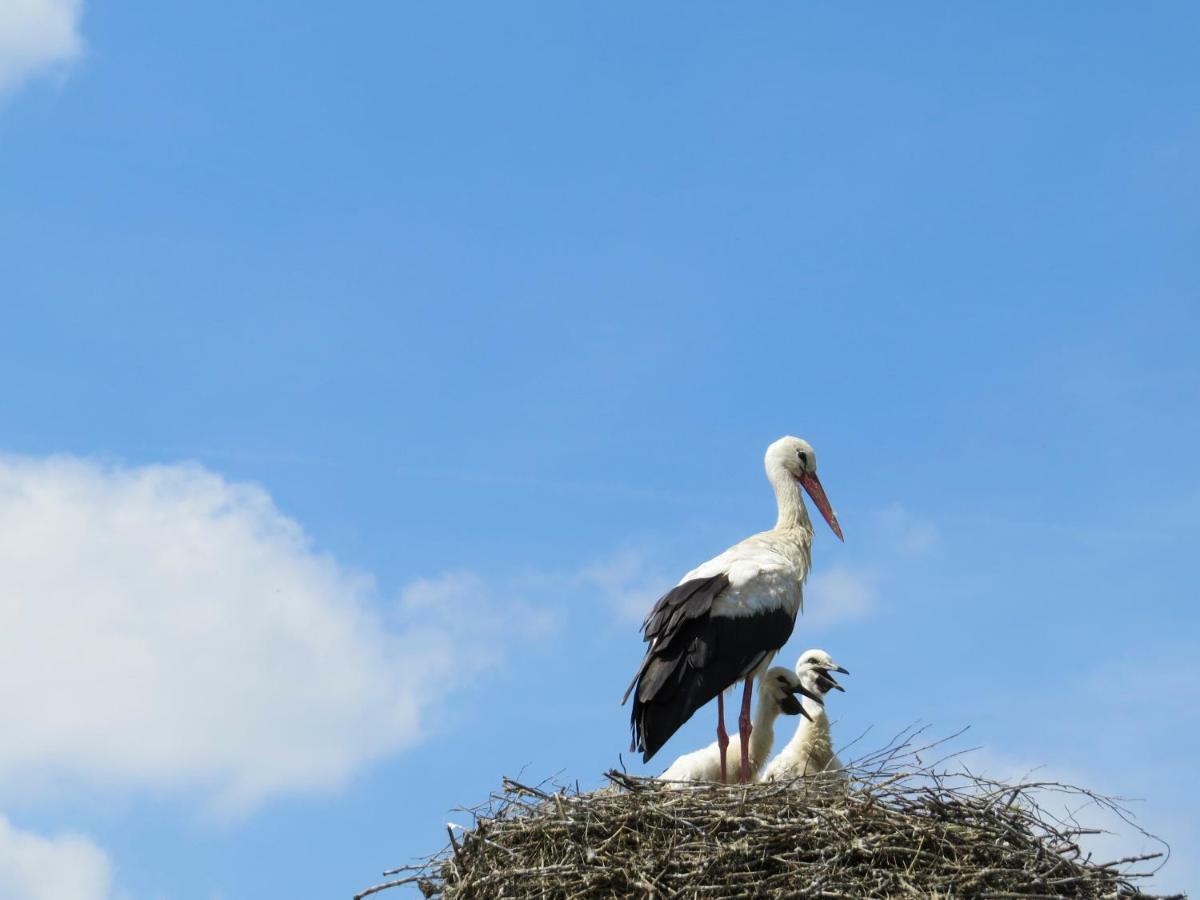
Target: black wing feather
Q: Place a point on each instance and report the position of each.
(693, 656)
(688, 600)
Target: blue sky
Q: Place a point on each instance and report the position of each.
(366, 370)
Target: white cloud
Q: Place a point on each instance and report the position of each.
(66, 867)
(839, 594)
(161, 626)
(627, 582)
(459, 610)
(907, 533)
(37, 36)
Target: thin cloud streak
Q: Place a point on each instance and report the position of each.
(36, 37)
(838, 595)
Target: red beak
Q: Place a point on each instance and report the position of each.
(812, 484)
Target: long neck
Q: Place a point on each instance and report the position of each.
(809, 728)
(811, 742)
(816, 712)
(792, 513)
(762, 737)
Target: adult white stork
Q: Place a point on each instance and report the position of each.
(724, 622)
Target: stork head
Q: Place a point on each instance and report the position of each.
(813, 670)
(797, 458)
(779, 687)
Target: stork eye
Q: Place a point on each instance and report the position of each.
(803, 457)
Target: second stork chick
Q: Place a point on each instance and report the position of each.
(811, 749)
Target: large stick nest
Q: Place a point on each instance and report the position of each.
(891, 826)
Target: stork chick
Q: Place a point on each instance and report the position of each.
(811, 748)
(777, 691)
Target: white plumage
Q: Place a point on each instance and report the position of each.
(766, 571)
(776, 695)
(810, 750)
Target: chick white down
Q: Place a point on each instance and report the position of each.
(776, 696)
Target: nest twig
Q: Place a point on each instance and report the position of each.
(891, 825)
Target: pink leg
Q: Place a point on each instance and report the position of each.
(744, 729)
(722, 737)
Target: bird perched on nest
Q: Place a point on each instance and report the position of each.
(777, 691)
(811, 748)
(724, 622)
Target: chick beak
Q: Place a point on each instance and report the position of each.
(833, 683)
